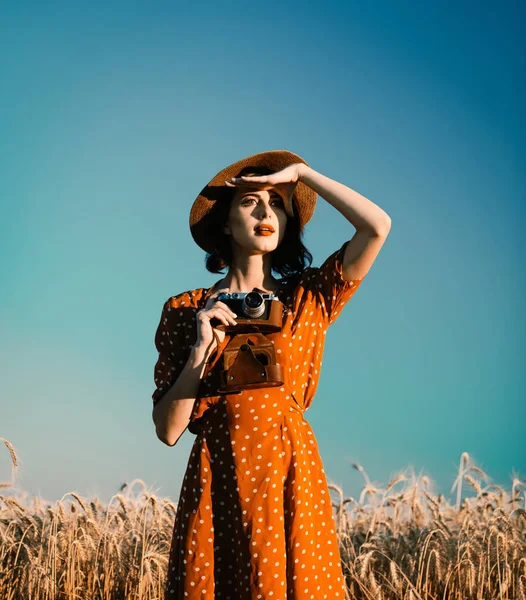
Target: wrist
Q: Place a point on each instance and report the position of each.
(302, 169)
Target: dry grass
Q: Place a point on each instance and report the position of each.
(405, 544)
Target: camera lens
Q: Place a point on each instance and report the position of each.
(253, 305)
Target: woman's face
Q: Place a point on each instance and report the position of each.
(257, 220)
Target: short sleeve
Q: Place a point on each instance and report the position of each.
(174, 338)
(327, 284)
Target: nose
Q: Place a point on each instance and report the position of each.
(264, 209)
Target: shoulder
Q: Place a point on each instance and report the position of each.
(308, 273)
(331, 263)
(179, 312)
(303, 278)
(188, 299)
(329, 271)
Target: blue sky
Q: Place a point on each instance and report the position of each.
(114, 115)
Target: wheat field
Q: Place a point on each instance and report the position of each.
(399, 542)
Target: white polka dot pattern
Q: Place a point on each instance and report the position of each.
(254, 517)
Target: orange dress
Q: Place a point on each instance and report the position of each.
(254, 517)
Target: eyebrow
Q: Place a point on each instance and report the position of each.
(255, 193)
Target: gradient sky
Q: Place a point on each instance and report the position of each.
(114, 115)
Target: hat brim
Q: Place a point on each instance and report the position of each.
(201, 225)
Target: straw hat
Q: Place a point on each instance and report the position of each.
(204, 227)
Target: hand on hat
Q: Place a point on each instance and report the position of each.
(284, 182)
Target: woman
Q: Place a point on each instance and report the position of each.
(254, 518)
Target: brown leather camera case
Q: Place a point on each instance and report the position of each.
(249, 362)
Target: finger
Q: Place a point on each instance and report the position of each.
(208, 315)
(228, 313)
(225, 307)
(213, 301)
(237, 182)
(213, 297)
(223, 316)
(258, 178)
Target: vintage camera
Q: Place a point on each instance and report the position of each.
(250, 305)
(256, 311)
(249, 358)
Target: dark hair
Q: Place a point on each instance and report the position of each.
(291, 257)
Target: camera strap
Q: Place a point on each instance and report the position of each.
(220, 346)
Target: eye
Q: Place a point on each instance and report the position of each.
(249, 199)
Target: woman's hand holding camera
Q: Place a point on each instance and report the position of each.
(214, 309)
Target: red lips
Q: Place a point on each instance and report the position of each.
(265, 229)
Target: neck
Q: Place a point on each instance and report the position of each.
(249, 272)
